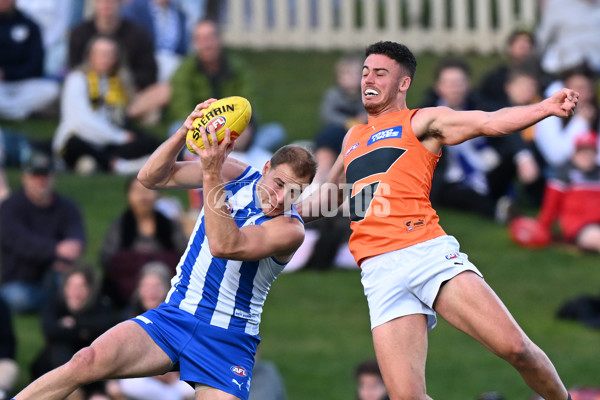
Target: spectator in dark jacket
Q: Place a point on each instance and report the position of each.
(42, 234)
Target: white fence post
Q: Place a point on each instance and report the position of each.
(334, 24)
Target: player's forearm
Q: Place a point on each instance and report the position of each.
(158, 171)
(320, 200)
(514, 119)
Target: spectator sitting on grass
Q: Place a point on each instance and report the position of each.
(573, 196)
(94, 130)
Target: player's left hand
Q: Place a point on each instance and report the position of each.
(563, 102)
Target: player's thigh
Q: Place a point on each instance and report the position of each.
(401, 350)
(126, 350)
(468, 303)
(589, 238)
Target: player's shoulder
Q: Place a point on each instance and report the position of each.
(423, 118)
(233, 168)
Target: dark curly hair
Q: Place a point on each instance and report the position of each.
(396, 51)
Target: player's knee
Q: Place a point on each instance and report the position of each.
(82, 364)
(518, 351)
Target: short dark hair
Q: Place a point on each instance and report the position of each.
(396, 51)
(299, 158)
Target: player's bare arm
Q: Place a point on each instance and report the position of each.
(439, 126)
(279, 237)
(331, 192)
(162, 170)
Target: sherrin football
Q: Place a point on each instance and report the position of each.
(230, 112)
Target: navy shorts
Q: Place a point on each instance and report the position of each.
(206, 354)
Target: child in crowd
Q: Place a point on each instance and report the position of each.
(572, 197)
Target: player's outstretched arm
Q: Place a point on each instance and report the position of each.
(454, 127)
(321, 196)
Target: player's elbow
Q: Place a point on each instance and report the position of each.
(219, 251)
(147, 179)
(225, 250)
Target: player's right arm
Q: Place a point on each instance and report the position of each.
(163, 171)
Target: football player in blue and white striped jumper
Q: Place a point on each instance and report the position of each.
(207, 328)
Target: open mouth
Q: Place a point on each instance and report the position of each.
(371, 93)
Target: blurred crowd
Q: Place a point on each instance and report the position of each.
(110, 70)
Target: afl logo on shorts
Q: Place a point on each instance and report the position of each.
(217, 123)
(239, 371)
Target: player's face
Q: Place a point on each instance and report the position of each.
(279, 189)
(382, 84)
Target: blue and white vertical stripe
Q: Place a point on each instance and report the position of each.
(226, 293)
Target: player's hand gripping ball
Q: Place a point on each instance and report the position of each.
(230, 112)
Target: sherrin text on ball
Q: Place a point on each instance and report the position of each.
(230, 112)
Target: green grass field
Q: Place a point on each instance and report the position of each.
(315, 325)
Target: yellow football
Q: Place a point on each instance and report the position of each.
(230, 112)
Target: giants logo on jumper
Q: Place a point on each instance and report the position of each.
(239, 371)
(395, 132)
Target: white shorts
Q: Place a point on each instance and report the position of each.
(407, 281)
